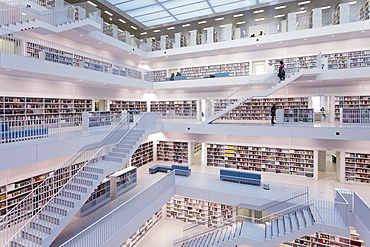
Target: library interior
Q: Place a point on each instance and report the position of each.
(168, 123)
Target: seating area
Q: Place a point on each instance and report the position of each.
(13, 135)
(179, 169)
(217, 75)
(240, 177)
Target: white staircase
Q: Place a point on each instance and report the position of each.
(276, 231)
(274, 88)
(47, 223)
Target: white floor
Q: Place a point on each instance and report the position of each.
(165, 231)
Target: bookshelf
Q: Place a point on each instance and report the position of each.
(198, 212)
(234, 69)
(198, 38)
(359, 59)
(158, 75)
(357, 116)
(134, 238)
(22, 108)
(110, 30)
(350, 102)
(172, 151)
(320, 239)
(169, 42)
(357, 167)
(155, 45)
(364, 11)
(298, 115)
(142, 155)
(183, 40)
(96, 119)
(131, 73)
(262, 159)
(113, 185)
(197, 147)
(293, 64)
(122, 105)
(337, 60)
(336, 16)
(258, 108)
(183, 109)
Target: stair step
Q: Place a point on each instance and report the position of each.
(57, 208)
(87, 175)
(275, 228)
(121, 150)
(23, 242)
(308, 216)
(301, 220)
(114, 159)
(71, 193)
(66, 201)
(287, 224)
(51, 217)
(84, 181)
(125, 146)
(281, 226)
(34, 235)
(77, 187)
(42, 225)
(268, 232)
(294, 221)
(128, 142)
(115, 154)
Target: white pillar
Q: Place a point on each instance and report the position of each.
(163, 42)
(177, 40)
(316, 164)
(190, 153)
(317, 18)
(292, 22)
(204, 153)
(344, 13)
(238, 33)
(210, 31)
(228, 32)
(193, 37)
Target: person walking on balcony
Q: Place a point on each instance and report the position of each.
(273, 113)
(281, 73)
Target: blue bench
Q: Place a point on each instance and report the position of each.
(181, 77)
(240, 177)
(222, 75)
(8, 135)
(179, 170)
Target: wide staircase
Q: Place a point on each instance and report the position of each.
(272, 84)
(53, 213)
(267, 231)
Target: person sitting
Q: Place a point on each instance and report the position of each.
(178, 74)
(323, 112)
(172, 78)
(253, 35)
(260, 34)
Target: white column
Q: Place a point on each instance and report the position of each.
(204, 153)
(292, 21)
(344, 14)
(177, 40)
(199, 110)
(284, 25)
(190, 153)
(238, 33)
(317, 18)
(341, 166)
(155, 157)
(149, 44)
(210, 35)
(193, 37)
(163, 42)
(115, 31)
(316, 164)
(228, 32)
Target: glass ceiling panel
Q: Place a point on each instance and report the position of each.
(189, 8)
(145, 10)
(265, 1)
(222, 2)
(179, 3)
(232, 6)
(153, 16)
(159, 21)
(135, 4)
(194, 14)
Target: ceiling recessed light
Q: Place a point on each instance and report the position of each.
(354, 2)
(81, 35)
(24, 14)
(100, 42)
(143, 33)
(93, 4)
(108, 13)
(258, 11)
(156, 31)
(258, 45)
(219, 19)
(133, 27)
(202, 22)
(222, 25)
(301, 12)
(240, 22)
(326, 7)
(170, 28)
(280, 7)
(280, 42)
(362, 31)
(259, 19)
(121, 20)
(305, 39)
(129, 53)
(132, 35)
(238, 15)
(332, 35)
(185, 25)
(81, 80)
(304, 2)
(8, 70)
(277, 16)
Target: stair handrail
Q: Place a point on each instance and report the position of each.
(91, 160)
(71, 161)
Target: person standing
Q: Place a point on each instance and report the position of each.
(172, 78)
(281, 73)
(273, 113)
